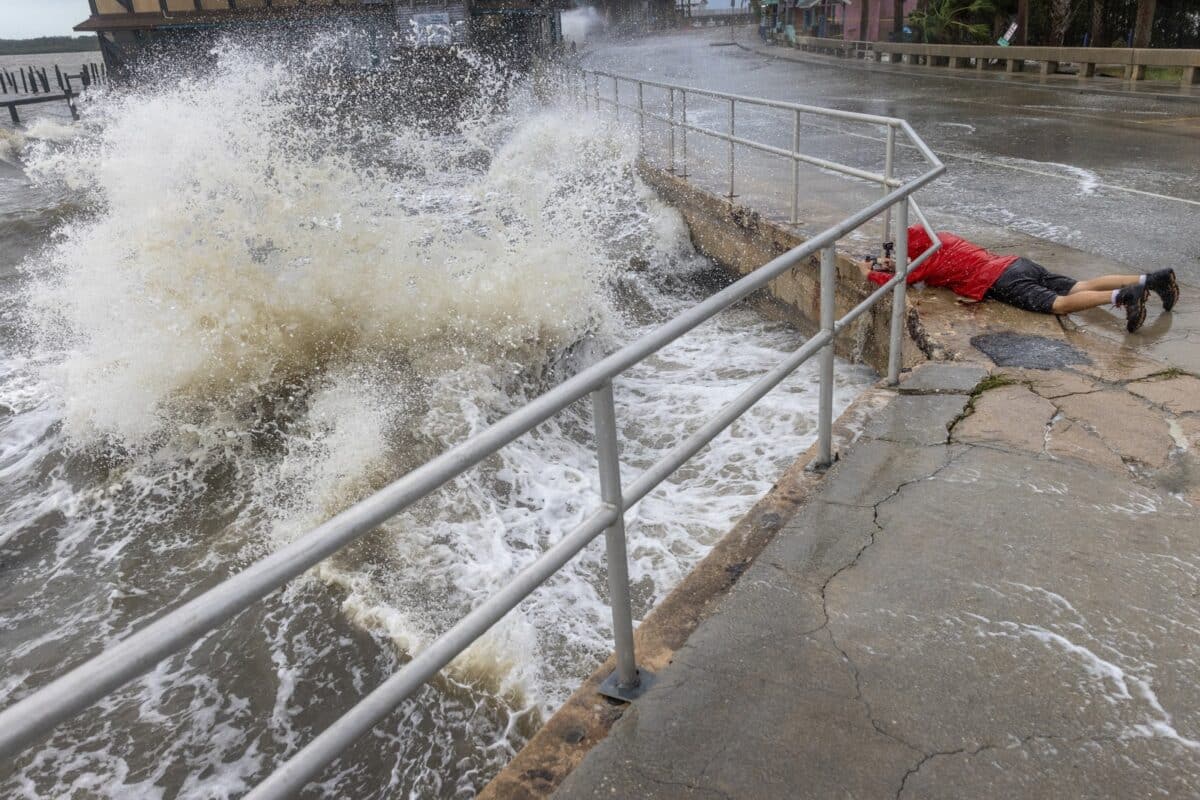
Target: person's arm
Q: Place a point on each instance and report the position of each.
(878, 276)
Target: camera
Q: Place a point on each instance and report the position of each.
(888, 247)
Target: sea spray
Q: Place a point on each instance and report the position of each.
(254, 319)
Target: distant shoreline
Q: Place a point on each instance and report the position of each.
(49, 45)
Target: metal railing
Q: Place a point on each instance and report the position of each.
(27, 721)
(676, 98)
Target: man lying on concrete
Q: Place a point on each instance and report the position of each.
(974, 273)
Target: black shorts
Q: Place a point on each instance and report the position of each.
(1030, 286)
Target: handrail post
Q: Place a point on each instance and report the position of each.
(888, 167)
(626, 682)
(825, 404)
(596, 90)
(684, 130)
(895, 350)
(641, 120)
(671, 135)
(796, 169)
(731, 135)
(583, 75)
(616, 98)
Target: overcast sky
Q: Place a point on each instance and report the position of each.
(24, 19)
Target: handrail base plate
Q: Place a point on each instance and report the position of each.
(626, 694)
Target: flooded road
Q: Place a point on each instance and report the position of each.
(1117, 176)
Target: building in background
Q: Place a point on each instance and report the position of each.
(823, 18)
(517, 29)
(880, 19)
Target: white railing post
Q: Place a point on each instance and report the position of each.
(641, 120)
(684, 131)
(671, 134)
(625, 681)
(888, 167)
(825, 404)
(896, 348)
(731, 135)
(796, 169)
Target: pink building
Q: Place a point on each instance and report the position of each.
(881, 13)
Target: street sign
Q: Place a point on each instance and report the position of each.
(1004, 40)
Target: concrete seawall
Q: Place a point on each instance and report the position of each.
(741, 240)
(1062, 443)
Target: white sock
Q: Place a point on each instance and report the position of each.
(1142, 280)
(1114, 296)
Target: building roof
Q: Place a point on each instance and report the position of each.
(150, 20)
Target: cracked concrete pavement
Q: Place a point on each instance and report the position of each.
(993, 594)
(990, 595)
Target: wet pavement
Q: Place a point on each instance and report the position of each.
(1114, 176)
(1075, 208)
(993, 592)
(992, 595)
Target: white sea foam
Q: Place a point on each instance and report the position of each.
(961, 125)
(252, 326)
(11, 143)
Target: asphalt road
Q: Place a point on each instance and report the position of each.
(1109, 174)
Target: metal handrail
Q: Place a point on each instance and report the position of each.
(798, 110)
(25, 722)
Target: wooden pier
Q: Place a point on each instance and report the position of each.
(12, 105)
(27, 86)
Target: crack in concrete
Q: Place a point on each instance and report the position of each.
(1092, 430)
(827, 624)
(708, 790)
(927, 757)
(1021, 742)
(1055, 417)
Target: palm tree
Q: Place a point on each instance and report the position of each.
(1096, 32)
(1145, 23)
(946, 21)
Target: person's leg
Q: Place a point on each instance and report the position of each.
(1031, 287)
(1105, 283)
(1132, 298)
(1082, 300)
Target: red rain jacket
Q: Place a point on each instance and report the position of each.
(960, 266)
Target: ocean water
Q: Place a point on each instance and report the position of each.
(226, 315)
